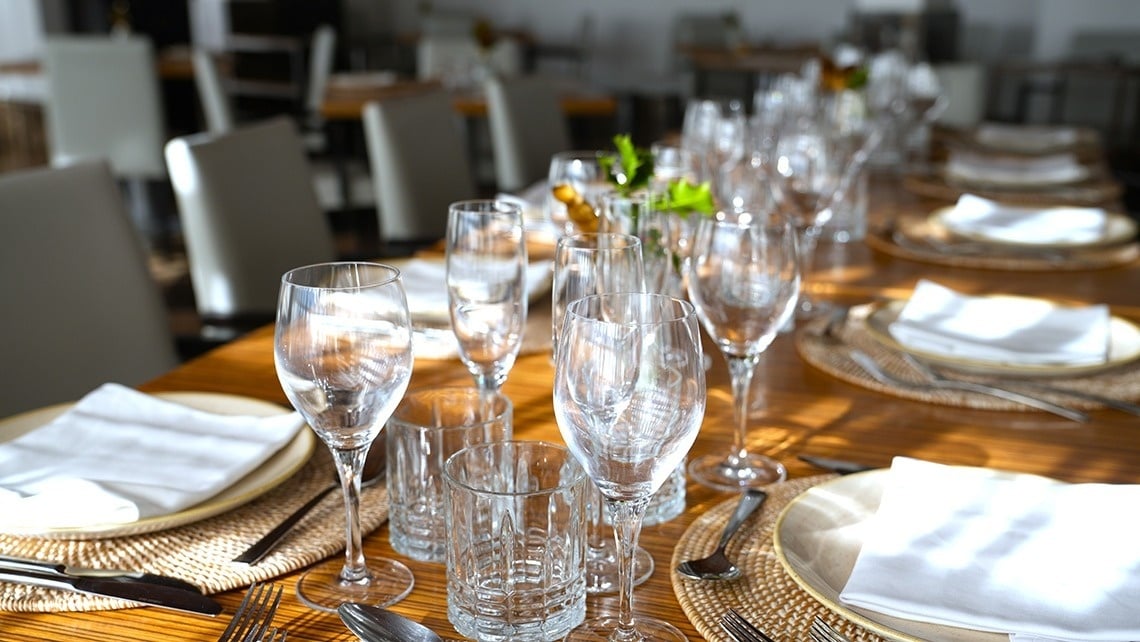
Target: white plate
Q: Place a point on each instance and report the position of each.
(279, 467)
(819, 535)
(1118, 228)
(427, 298)
(1123, 339)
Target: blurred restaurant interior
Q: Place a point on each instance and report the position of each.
(636, 65)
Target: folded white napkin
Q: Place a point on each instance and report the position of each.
(119, 455)
(1024, 137)
(992, 551)
(1011, 330)
(1014, 170)
(425, 285)
(983, 218)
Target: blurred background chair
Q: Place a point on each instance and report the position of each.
(72, 254)
(964, 85)
(420, 165)
(217, 109)
(103, 101)
(527, 128)
(249, 214)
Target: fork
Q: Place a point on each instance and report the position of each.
(880, 374)
(741, 629)
(823, 632)
(253, 616)
(273, 635)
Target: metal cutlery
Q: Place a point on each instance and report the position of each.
(253, 616)
(717, 566)
(8, 562)
(119, 587)
(938, 382)
(823, 632)
(741, 629)
(841, 466)
(1108, 402)
(375, 624)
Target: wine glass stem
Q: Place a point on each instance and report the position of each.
(626, 517)
(741, 370)
(350, 465)
(489, 382)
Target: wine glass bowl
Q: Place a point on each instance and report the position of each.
(486, 286)
(343, 355)
(576, 179)
(629, 398)
(744, 282)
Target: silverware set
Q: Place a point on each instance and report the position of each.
(741, 630)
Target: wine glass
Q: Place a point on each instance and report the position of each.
(486, 286)
(576, 180)
(744, 281)
(629, 397)
(343, 353)
(585, 264)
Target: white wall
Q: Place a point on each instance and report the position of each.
(1059, 20)
(22, 33)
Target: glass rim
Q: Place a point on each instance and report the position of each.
(631, 240)
(507, 407)
(579, 473)
(685, 309)
(292, 278)
(485, 206)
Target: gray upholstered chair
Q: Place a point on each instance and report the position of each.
(527, 127)
(420, 164)
(249, 214)
(81, 305)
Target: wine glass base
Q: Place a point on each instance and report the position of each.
(601, 630)
(737, 474)
(322, 588)
(602, 568)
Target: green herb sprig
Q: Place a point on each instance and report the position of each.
(631, 169)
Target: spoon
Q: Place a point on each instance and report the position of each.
(375, 624)
(374, 472)
(717, 566)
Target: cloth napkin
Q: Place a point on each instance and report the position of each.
(1014, 170)
(119, 455)
(981, 217)
(992, 551)
(425, 285)
(1013, 330)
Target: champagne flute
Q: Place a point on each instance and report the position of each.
(486, 286)
(629, 397)
(343, 353)
(744, 282)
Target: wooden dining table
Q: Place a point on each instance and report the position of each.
(804, 410)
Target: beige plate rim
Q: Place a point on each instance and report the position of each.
(1124, 347)
(847, 501)
(279, 467)
(1118, 229)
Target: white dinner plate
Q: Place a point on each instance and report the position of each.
(1124, 347)
(819, 535)
(1118, 228)
(279, 467)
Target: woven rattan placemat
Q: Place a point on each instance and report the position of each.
(832, 357)
(200, 553)
(918, 240)
(765, 593)
(1099, 190)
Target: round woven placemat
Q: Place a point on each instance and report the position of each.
(832, 356)
(919, 240)
(200, 553)
(765, 593)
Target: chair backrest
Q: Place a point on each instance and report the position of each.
(249, 214)
(82, 307)
(420, 164)
(527, 127)
(322, 58)
(450, 58)
(103, 102)
(216, 104)
(965, 87)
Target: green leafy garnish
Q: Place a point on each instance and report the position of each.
(685, 198)
(631, 168)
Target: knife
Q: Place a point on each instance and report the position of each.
(8, 562)
(840, 466)
(123, 588)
